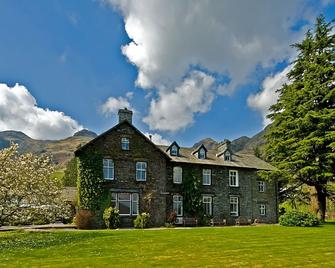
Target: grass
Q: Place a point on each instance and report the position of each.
(261, 246)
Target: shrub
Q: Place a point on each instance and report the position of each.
(85, 219)
(299, 218)
(171, 217)
(111, 218)
(142, 220)
(205, 220)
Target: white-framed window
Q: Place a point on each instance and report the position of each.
(261, 186)
(178, 205)
(126, 203)
(227, 156)
(108, 169)
(174, 150)
(233, 178)
(207, 202)
(141, 171)
(177, 175)
(125, 144)
(202, 153)
(233, 200)
(262, 210)
(206, 177)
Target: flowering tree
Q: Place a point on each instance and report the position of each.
(27, 193)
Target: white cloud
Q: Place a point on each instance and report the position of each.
(268, 96)
(112, 105)
(19, 111)
(174, 110)
(157, 139)
(230, 38)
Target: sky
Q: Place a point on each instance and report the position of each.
(188, 69)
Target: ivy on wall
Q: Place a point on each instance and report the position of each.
(192, 194)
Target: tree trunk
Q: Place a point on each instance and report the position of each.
(318, 201)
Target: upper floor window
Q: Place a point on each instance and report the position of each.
(261, 186)
(141, 171)
(174, 150)
(207, 202)
(125, 144)
(177, 175)
(108, 169)
(178, 204)
(233, 178)
(262, 210)
(206, 177)
(126, 203)
(233, 200)
(227, 156)
(202, 153)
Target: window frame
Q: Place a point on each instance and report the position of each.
(208, 175)
(176, 204)
(141, 169)
(110, 169)
(132, 203)
(261, 186)
(174, 150)
(227, 156)
(174, 175)
(210, 204)
(236, 178)
(200, 155)
(234, 213)
(125, 142)
(262, 209)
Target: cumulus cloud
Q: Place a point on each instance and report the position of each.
(19, 111)
(268, 96)
(113, 104)
(169, 39)
(157, 139)
(174, 109)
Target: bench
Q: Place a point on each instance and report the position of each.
(243, 221)
(190, 222)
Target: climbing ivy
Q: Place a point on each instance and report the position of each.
(192, 194)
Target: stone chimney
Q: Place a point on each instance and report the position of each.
(223, 146)
(125, 115)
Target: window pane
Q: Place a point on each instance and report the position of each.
(124, 207)
(124, 196)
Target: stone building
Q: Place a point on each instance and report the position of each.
(143, 177)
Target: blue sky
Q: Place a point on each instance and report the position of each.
(68, 56)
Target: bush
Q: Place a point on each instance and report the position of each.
(299, 218)
(172, 217)
(85, 219)
(142, 220)
(111, 218)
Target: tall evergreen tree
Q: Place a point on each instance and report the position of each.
(301, 140)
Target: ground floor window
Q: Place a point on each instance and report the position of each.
(126, 203)
(178, 204)
(207, 202)
(233, 205)
(262, 210)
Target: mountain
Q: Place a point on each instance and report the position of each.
(243, 144)
(61, 151)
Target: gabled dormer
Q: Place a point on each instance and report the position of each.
(200, 152)
(173, 149)
(224, 151)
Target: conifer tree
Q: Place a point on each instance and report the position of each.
(301, 139)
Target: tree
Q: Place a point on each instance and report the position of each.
(26, 190)
(301, 139)
(71, 173)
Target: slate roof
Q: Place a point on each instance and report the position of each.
(240, 160)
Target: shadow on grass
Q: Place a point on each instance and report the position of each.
(31, 240)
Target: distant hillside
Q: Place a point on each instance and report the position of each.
(244, 144)
(61, 151)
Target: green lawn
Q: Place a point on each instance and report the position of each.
(261, 246)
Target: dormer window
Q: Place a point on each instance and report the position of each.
(174, 150)
(202, 153)
(227, 156)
